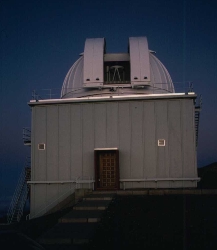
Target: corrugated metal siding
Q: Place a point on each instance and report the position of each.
(112, 133)
(40, 136)
(76, 137)
(99, 125)
(52, 147)
(124, 124)
(52, 150)
(72, 131)
(189, 145)
(88, 139)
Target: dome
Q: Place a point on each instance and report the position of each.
(97, 73)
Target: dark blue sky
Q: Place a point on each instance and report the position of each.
(41, 39)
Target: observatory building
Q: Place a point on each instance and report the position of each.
(118, 124)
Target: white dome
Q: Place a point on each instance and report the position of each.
(97, 73)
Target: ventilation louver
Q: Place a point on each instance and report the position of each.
(41, 146)
(161, 143)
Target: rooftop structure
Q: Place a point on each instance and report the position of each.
(138, 71)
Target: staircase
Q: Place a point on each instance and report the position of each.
(20, 197)
(76, 229)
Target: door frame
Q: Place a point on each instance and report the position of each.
(97, 152)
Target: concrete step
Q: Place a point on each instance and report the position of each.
(98, 196)
(82, 216)
(109, 192)
(92, 205)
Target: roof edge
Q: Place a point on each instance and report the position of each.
(191, 95)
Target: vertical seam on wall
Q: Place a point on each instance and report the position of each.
(143, 144)
(194, 137)
(181, 128)
(81, 135)
(93, 127)
(118, 141)
(168, 144)
(106, 124)
(118, 136)
(33, 158)
(70, 142)
(33, 149)
(58, 147)
(155, 148)
(93, 115)
(46, 176)
(130, 124)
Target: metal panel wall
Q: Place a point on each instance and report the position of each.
(112, 134)
(137, 147)
(189, 144)
(150, 159)
(38, 200)
(100, 125)
(72, 131)
(175, 140)
(162, 133)
(124, 124)
(40, 137)
(76, 141)
(64, 146)
(88, 139)
(52, 149)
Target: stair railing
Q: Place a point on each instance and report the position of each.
(54, 202)
(76, 185)
(20, 195)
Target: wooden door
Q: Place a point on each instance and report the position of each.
(108, 173)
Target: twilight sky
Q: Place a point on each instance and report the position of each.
(41, 39)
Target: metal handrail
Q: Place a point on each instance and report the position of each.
(46, 208)
(51, 93)
(76, 184)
